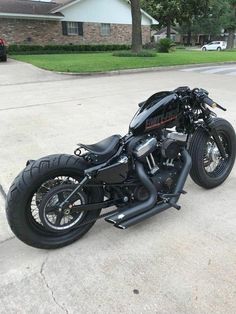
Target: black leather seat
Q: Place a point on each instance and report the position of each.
(103, 150)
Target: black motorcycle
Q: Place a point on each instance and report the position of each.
(55, 200)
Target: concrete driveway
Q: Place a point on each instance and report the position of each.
(177, 262)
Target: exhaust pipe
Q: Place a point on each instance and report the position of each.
(133, 221)
(129, 212)
(124, 224)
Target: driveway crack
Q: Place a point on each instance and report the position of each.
(6, 240)
(2, 192)
(49, 288)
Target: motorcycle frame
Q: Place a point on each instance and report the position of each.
(191, 123)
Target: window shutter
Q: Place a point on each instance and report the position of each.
(64, 28)
(80, 28)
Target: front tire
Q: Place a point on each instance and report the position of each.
(205, 154)
(27, 192)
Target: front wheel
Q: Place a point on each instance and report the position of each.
(48, 181)
(209, 169)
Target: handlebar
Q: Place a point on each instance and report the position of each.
(198, 94)
(211, 103)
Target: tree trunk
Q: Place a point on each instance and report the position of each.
(230, 41)
(189, 33)
(136, 26)
(168, 29)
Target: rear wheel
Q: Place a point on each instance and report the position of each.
(219, 49)
(204, 49)
(209, 169)
(49, 181)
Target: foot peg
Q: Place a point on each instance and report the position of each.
(176, 206)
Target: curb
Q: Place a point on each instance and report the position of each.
(142, 70)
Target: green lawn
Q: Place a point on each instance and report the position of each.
(99, 62)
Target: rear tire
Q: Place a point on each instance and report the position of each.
(197, 150)
(23, 221)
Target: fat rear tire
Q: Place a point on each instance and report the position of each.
(197, 150)
(20, 195)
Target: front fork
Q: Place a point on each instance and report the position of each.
(213, 132)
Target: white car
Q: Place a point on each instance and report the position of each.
(215, 45)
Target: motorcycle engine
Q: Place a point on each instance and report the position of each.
(161, 160)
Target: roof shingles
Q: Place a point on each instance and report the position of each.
(27, 7)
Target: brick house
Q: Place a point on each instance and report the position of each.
(69, 22)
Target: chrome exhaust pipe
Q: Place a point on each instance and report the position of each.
(124, 224)
(129, 212)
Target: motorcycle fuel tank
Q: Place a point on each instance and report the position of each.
(160, 110)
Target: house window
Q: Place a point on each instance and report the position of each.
(105, 29)
(72, 28)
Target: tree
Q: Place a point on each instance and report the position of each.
(167, 14)
(194, 16)
(229, 21)
(150, 6)
(209, 23)
(219, 15)
(136, 26)
(165, 11)
(190, 10)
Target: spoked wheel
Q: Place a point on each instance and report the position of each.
(33, 199)
(209, 168)
(214, 163)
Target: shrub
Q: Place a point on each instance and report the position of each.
(150, 45)
(165, 45)
(143, 53)
(54, 49)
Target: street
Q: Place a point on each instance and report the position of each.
(177, 262)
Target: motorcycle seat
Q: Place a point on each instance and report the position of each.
(103, 150)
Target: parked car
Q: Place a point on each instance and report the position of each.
(215, 45)
(3, 50)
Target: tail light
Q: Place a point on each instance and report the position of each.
(2, 42)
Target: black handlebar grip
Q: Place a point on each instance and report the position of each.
(208, 101)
